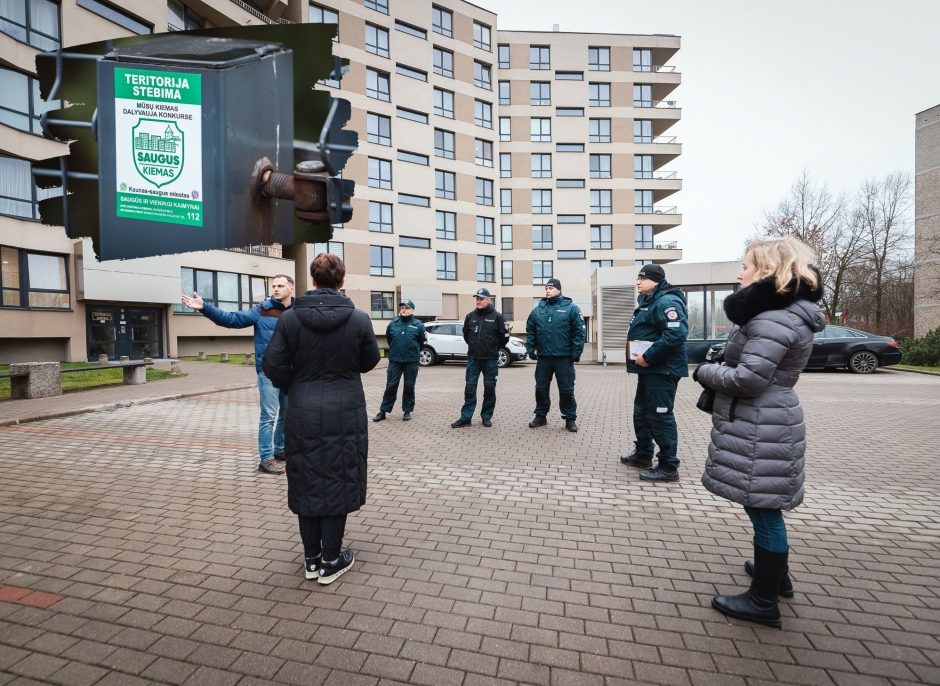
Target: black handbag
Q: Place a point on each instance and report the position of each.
(706, 401)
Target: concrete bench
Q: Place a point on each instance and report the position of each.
(44, 379)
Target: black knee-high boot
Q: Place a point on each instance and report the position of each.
(786, 585)
(759, 603)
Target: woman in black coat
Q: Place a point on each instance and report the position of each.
(320, 348)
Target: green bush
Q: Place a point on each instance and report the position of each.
(923, 352)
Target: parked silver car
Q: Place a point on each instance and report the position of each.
(445, 342)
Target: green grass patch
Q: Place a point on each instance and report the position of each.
(233, 358)
(916, 368)
(81, 381)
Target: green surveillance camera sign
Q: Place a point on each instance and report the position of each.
(158, 146)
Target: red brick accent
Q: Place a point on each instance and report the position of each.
(25, 596)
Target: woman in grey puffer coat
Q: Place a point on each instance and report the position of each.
(758, 436)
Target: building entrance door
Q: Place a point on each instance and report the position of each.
(136, 332)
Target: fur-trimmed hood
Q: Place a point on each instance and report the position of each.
(761, 296)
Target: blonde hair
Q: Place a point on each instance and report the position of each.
(784, 259)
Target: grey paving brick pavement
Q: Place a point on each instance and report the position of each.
(485, 556)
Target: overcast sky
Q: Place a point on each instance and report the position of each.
(770, 89)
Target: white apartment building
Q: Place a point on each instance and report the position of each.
(486, 158)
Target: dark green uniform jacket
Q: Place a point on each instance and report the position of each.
(405, 336)
(555, 328)
(661, 317)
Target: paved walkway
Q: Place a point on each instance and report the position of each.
(140, 545)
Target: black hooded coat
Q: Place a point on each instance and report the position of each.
(316, 356)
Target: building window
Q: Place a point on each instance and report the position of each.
(33, 279)
(541, 201)
(442, 21)
(505, 93)
(411, 72)
(542, 271)
(505, 129)
(569, 147)
(377, 5)
(505, 165)
(642, 166)
(416, 200)
(485, 233)
(414, 242)
(505, 236)
(483, 114)
(642, 59)
(540, 93)
(377, 40)
(227, 290)
(447, 266)
(486, 268)
(444, 103)
(642, 95)
(378, 129)
(599, 131)
(412, 157)
(20, 103)
(506, 275)
(484, 192)
(380, 173)
(571, 255)
(601, 202)
(541, 165)
(508, 309)
(377, 85)
(35, 22)
(446, 225)
(542, 237)
(570, 218)
(381, 260)
(569, 76)
(445, 183)
(596, 264)
(483, 152)
(505, 201)
(19, 196)
(444, 144)
(599, 94)
(643, 202)
(540, 129)
(102, 9)
(502, 56)
(643, 131)
(383, 305)
(181, 18)
(411, 115)
(601, 236)
(411, 29)
(380, 217)
(330, 247)
(540, 57)
(643, 237)
(443, 62)
(569, 111)
(482, 75)
(570, 183)
(482, 36)
(599, 59)
(599, 166)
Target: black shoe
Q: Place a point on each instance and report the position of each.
(312, 567)
(270, 467)
(571, 426)
(634, 459)
(660, 474)
(380, 417)
(786, 586)
(460, 423)
(330, 572)
(759, 603)
(406, 417)
(538, 420)
(487, 423)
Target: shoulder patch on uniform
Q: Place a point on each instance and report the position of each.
(671, 313)
(580, 316)
(507, 325)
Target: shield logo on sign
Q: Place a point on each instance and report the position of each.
(158, 150)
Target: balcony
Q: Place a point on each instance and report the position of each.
(660, 252)
(275, 250)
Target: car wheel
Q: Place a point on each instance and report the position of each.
(426, 357)
(503, 359)
(863, 362)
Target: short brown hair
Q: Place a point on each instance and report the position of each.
(327, 270)
(290, 279)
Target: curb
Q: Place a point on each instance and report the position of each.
(123, 403)
(912, 371)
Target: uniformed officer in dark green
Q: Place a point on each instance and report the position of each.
(554, 338)
(660, 322)
(405, 336)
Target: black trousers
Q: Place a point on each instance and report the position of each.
(562, 368)
(322, 536)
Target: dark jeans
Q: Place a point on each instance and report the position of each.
(653, 419)
(562, 368)
(490, 370)
(322, 535)
(770, 531)
(395, 370)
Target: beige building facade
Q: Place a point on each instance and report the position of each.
(486, 158)
(927, 222)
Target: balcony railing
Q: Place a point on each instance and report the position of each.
(666, 210)
(263, 250)
(665, 68)
(664, 174)
(669, 245)
(267, 20)
(655, 103)
(650, 245)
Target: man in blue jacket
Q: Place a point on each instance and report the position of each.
(658, 357)
(263, 317)
(554, 337)
(405, 335)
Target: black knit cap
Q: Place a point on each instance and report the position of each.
(653, 272)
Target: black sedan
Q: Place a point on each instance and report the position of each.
(836, 347)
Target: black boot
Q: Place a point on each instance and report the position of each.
(759, 603)
(786, 586)
(635, 459)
